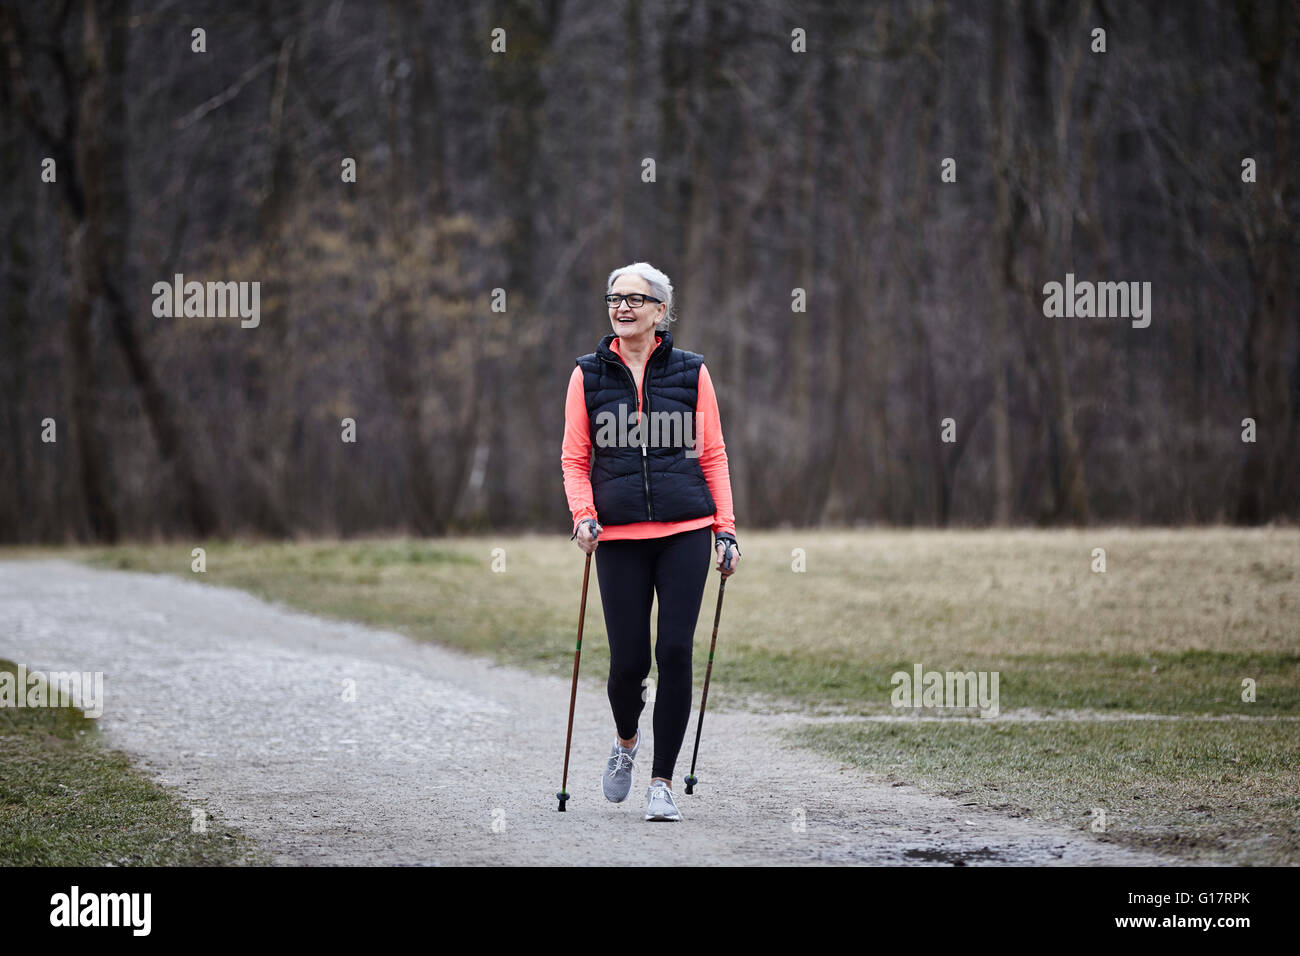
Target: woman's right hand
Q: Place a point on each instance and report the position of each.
(588, 531)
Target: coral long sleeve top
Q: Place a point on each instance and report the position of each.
(577, 452)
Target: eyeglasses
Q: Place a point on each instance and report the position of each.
(635, 299)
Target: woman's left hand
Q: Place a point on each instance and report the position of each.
(720, 549)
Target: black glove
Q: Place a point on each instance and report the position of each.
(732, 547)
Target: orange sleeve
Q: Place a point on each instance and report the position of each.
(713, 453)
(575, 458)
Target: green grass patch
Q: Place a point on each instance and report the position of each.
(1208, 791)
(1166, 682)
(68, 800)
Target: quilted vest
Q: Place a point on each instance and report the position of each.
(645, 473)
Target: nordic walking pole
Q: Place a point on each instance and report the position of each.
(563, 795)
(691, 779)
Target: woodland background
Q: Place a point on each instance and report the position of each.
(775, 170)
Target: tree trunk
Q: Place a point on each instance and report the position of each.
(1270, 38)
(100, 253)
(1001, 262)
(1053, 110)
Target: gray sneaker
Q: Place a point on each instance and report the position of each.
(618, 770)
(661, 805)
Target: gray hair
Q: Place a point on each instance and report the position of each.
(660, 288)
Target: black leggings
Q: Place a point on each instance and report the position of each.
(630, 573)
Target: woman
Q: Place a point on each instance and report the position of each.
(657, 485)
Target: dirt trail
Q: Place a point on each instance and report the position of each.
(444, 758)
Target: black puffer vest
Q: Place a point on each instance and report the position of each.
(645, 474)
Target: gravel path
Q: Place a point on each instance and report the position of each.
(444, 758)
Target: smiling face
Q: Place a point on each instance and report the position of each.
(628, 322)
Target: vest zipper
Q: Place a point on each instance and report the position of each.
(645, 477)
(645, 469)
(645, 472)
